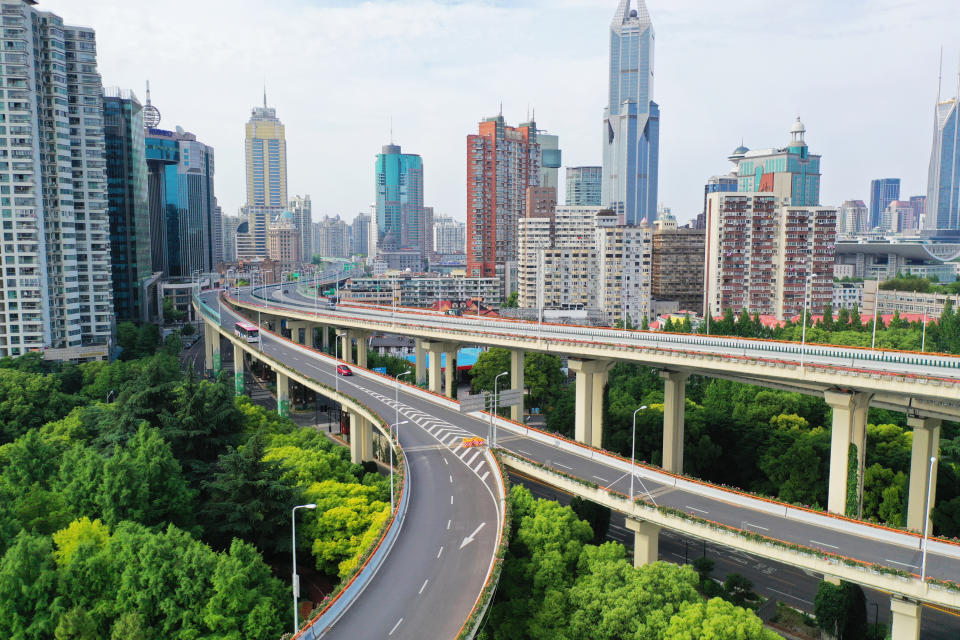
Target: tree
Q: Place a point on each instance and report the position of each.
(187, 330)
(738, 589)
(76, 624)
(597, 516)
(170, 313)
(718, 620)
(491, 363)
(543, 377)
(512, 301)
(27, 589)
(245, 596)
(841, 610)
(28, 401)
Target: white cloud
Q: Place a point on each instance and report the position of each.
(862, 75)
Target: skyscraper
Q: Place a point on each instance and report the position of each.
(502, 162)
(129, 208)
(943, 181)
(302, 211)
(266, 155)
(790, 172)
(56, 292)
(631, 121)
(551, 159)
(360, 234)
(883, 191)
(449, 235)
(584, 186)
(399, 182)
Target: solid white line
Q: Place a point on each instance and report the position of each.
(484, 476)
(448, 524)
(451, 499)
(562, 465)
(439, 552)
(902, 563)
(755, 526)
(451, 479)
(395, 627)
(423, 586)
(824, 544)
(445, 460)
(686, 506)
(526, 453)
(790, 595)
(601, 479)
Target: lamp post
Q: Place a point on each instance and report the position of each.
(296, 578)
(336, 376)
(876, 307)
(923, 336)
(633, 446)
(396, 426)
(926, 521)
(493, 422)
(803, 333)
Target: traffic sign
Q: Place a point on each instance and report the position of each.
(509, 397)
(472, 402)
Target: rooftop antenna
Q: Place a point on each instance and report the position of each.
(151, 115)
(940, 75)
(501, 108)
(391, 130)
(264, 94)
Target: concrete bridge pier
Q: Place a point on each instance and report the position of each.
(451, 369)
(361, 439)
(283, 394)
(905, 619)
(849, 427)
(674, 407)
(345, 348)
(591, 381)
(294, 328)
(211, 344)
(420, 362)
(646, 542)
(436, 351)
(238, 374)
(926, 445)
(325, 333)
(516, 378)
(310, 338)
(361, 338)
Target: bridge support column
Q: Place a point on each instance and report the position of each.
(516, 378)
(591, 380)
(361, 337)
(211, 344)
(310, 336)
(849, 426)
(674, 408)
(294, 328)
(325, 332)
(283, 394)
(449, 373)
(926, 445)
(361, 439)
(436, 349)
(346, 346)
(420, 363)
(905, 619)
(238, 373)
(646, 542)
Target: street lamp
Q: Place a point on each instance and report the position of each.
(803, 334)
(396, 426)
(633, 447)
(926, 520)
(876, 306)
(493, 423)
(296, 578)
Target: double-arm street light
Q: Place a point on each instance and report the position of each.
(633, 447)
(396, 426)
(397, 423)
(926, 517)
(296, 578)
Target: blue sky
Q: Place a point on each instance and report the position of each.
(861, 74)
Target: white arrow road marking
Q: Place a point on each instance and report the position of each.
(470, 537)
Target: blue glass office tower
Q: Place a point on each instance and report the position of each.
(180, 178)
(883, 191)
(631, 123)
(400, 215)
(127, 200)
(943, 183)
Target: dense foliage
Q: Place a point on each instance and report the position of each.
(138, 502)
(555, 584)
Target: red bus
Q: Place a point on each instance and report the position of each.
(247, 331)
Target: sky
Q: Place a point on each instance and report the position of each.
(862, 75)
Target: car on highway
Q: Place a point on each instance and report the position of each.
(344, 370)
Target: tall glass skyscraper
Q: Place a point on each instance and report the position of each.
(943, 183)
(127, 196)
(631, 123)
(266, 154)
(883, 191)
(400, 200)
(584, 186)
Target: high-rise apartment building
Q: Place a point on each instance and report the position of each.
(449, 235)
(266, 158)
(302, 212)
(677, 264)
(129, 208)
(216, 221)
(898, 217)
(502, 161)
(230, 225)
(283, 240)
(919, 204)
(790, 172)
(180, 172)
(631, 120)
(541, 201)
(584, 186)
(883, 191)
(56, 291)
(400, 214)
(360, 234)
(624, 270)
(767, 256)
(551, 159)
(943, 179)
(332, 237)
(853, 217)
(722, 184)
(427, 231)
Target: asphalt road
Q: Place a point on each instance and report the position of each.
(430, 581)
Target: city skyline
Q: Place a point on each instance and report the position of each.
(450, 85)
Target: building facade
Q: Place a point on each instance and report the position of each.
(129, 207)
(883, 191)
(360, 234)
(283, 241)
(400, 211)
(631, 120)
(943, 179)
(853, 217)
(502, 161)
(302, 212)
(449, 235)
(790, 172)
(584, 186)
(899, 217)
(332, 237)
(929, 305)
(768, 256)
(56, 295)
(265, 148)
(885, 259)
(425, 291)
(551, 159)
(677, 264)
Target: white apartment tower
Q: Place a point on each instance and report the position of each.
(55, 293)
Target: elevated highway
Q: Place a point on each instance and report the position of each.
(866, 554)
